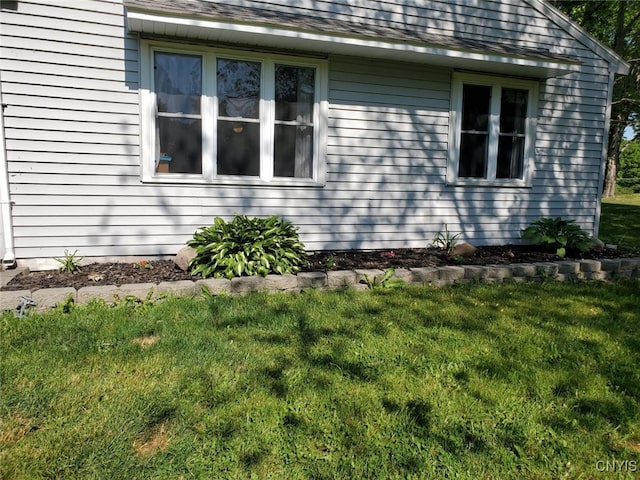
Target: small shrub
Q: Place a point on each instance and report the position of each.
(69, 263)
(247, 246)
(557, 234)
(446, 240)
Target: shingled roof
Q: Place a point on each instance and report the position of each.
(208, 10)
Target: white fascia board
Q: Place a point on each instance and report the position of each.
(318, 42)
(620, 66)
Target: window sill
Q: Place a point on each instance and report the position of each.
(476, 182)
(232, 181)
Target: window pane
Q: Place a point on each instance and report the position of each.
(238, 88)
(476, 100)
(510, 157)
(179, 145)
(178, 82)
(473, 155)
(238, 148)
(295, 92)
(293, 151)
(513, 110)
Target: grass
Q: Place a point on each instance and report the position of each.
(537, 381)
(620, 220)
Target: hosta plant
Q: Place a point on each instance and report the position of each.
(247, 246)
(557, 234)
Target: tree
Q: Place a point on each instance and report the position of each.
(616, 23)
(629, 173)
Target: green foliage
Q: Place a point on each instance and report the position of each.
(629, 172)
(247, 246)
(558, 234)
(385, 281)
(446, 240)
(69, 263)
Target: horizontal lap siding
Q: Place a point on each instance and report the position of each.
(70, 80)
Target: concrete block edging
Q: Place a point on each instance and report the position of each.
(562, 271)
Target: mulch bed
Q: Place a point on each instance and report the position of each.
(165, 270)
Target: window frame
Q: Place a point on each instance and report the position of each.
(497, 83)
(209, 113)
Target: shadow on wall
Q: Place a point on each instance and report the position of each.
(386, 163)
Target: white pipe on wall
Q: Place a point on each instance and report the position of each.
(6, 223)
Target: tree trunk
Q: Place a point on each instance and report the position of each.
(613, 154)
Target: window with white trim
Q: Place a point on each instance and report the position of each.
(221, 115)
(492, 130)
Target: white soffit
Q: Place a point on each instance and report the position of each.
(269, 36)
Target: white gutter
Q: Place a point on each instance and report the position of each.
(6, 224)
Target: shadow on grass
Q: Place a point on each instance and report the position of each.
(620, 224)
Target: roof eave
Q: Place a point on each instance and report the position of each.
(270, 36)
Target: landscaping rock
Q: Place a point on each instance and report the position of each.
(464, 250)
(597, 245)
(183, 257)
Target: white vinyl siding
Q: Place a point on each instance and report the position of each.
(71, 80)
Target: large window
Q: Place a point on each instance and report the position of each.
(232, 116)
(492, 130)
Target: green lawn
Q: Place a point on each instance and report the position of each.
(620, 220)
(533, 381)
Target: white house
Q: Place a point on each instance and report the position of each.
(128, 124)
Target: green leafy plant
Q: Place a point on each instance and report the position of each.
(557, 234)
(446, 240)
(69, 263)
(247, 246)
(143, 265)
(331, 262)
(385, 281)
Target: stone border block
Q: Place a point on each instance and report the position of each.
(588, 266)
(312, 280)
(569, 267)
(46, 298)
(108, 293)
(546, 269)
(341, 278)
(371, 274)
(137, 290)
(599, 275)
(9, 300)
(403, 274)
(424, 274)
(215, 285)
(241, 285)
(610, 265)
(450, 274)
(473, 272)
(629, 263)
(497, 272)
(523, 270)
(281, 283)
(181, 288)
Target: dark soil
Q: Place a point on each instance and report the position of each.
(166, 270)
